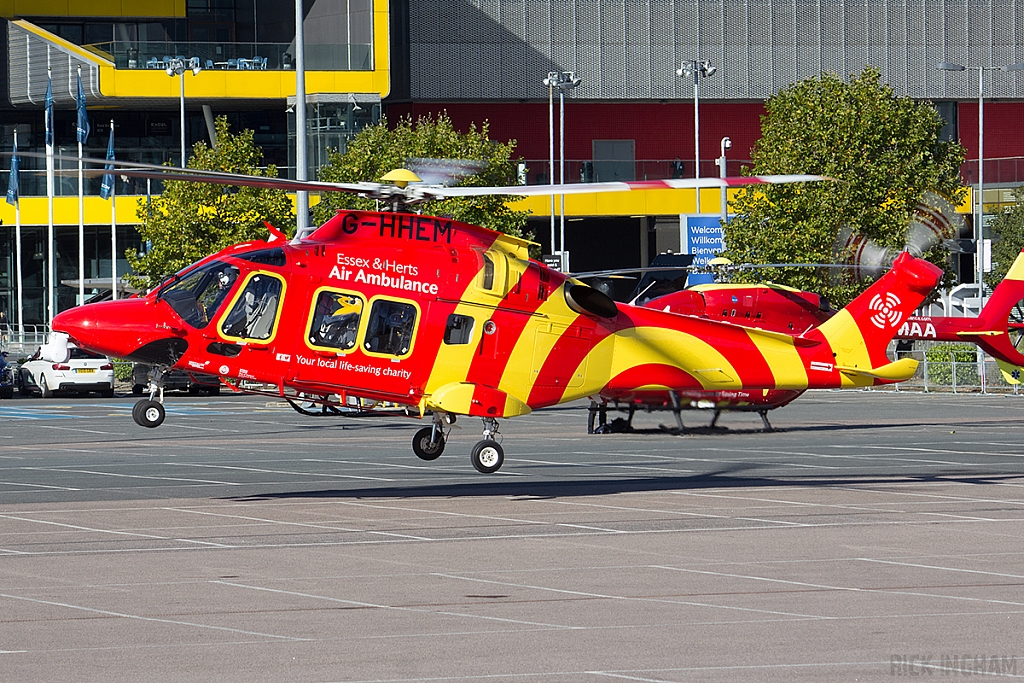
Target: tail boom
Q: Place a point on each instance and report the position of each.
(859, 335)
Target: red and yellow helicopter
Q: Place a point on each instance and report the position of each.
(451, 319)
(998, 330)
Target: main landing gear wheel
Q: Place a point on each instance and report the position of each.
(148, 413)
(487, 456)
(425, 447)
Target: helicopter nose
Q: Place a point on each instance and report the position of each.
(133, 329)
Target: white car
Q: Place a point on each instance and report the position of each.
(83, 372)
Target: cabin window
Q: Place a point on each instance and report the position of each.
(390, 328)
(459, 329)
(487, 281)
(255, 310)
(335, 320)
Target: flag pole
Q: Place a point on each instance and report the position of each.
(50, 269)
(107, 188)
(17, 254)
(113, 228)
(81, 207)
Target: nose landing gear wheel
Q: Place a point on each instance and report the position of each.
(147, 413)
(487, 456)
(422, 446)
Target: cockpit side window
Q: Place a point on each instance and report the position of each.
(493, 275)
(487, 276)
(199, 295)
(391, 328)
(335, 320)
(255, 310)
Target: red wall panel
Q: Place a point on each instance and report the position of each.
(1004, 123)
(661, 130)
(665, 130)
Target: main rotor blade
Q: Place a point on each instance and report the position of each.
(417, 192)
(138, 169)
(618, 272)
(625, 186)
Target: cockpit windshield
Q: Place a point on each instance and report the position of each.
(199, 294)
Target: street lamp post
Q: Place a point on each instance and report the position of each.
(726, 144)
(550, 81)
(978, 231)
(696, 69)
(561, 81)
(178, 67)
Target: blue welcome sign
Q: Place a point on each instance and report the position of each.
(703, 238)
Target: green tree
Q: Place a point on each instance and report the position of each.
(1008, 227)
(191, 220)
(378, 149)
(884, 152)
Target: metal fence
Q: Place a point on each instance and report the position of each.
(24, 339)
(982, 376)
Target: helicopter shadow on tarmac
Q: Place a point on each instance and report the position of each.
(575, 487)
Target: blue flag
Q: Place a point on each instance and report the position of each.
(83, 117)
(108, 178)
(49, 113)
(12, 183)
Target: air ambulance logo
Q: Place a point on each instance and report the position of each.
(886, 310)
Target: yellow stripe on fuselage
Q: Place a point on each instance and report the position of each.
(638, 346)
(848, 346)
(784, 360)
(453, 361)
(519, 375)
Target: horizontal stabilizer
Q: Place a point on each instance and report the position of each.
(979, 333)
(897, 371)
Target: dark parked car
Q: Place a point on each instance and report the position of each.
(192, 382)
(7, 377)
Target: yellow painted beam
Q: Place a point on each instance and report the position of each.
(230, 84)
(221, 83)
(65, 211)
(65, 44)
(633, 203)
(93, 8)
(96, 209)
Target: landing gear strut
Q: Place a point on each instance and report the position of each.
(599, 412)
(149, 412)
(487, 455)
(428, 443)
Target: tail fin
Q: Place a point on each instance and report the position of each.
(1013, 374)
(1002, 320)
(860, 333)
